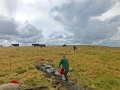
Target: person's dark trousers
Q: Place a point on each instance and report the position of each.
(65, 74)
(74, 49)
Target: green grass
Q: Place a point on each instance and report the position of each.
(20, 70)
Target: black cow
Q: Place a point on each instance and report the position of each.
(35, 45)
(42, 45)
(38, 45)
(15, 45)
(64, 45)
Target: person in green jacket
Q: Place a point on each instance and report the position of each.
(65, 65)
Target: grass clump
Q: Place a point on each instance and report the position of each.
(20, 70)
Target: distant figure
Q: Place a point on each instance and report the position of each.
(74, 48)
(65, 65)
(10, 86)
(1, 45)
(93, 46)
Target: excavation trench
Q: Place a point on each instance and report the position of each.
(55, 78)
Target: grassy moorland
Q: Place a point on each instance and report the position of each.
(98, 67)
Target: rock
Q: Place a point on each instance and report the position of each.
(10, 86)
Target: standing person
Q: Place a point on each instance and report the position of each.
(65, 65)
(93, 45)
(74, 47)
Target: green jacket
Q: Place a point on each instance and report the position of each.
(65, 63)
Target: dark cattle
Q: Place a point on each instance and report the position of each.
(38, 45)
(42, 45)
(15, 45)
(35, 45)
(64, 45)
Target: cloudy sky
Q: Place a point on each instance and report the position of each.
(57, 22)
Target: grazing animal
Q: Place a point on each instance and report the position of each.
(15, 45)
(64, 45)
(39, 45)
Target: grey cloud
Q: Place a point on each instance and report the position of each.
(101, 29)
(33, 39)
(8, 37)
(59, 38)
(56, 35)
(29, 30)
(110, 42)
(29, 40)
(11, 30)
(8, 26)
(30, 34)
(115, 19)
(75, 16)
(96, 30)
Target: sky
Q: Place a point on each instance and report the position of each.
(58, 22)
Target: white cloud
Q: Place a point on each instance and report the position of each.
(1, 7)
(60, 21)
(29, 1)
